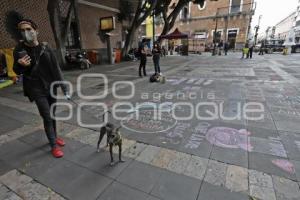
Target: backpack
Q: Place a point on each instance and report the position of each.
(155, 78)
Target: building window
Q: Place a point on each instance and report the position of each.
(202, 7)
(184, 14)
(200, 35)
(235, 6)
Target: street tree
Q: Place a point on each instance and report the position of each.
(143, 9)
(169, 17)
(60, 30)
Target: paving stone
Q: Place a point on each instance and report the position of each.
(68, 179)
(17, 133)
(285, 188)
(230, 156)
(287, 125)
(37, 163)
(4, 167)
(216, 173)
(6, 194)
(8, 124)
(89, 158)
(152, 198)
(135, 150)
(71, 147)
(262, 132)
(263, 163)
(176, 187)
(126, 144)
(196, 167)
(13, 115)
(140, 176)
(291, 142)
(86, 136)
(268, 146)
(163, 158)
(36, 191)
(37, 139)
(297, 168)
(64, 128)
(148, 154)
(119, 191)
(212, 192)
(203, 150)
(14, 179)
(237, 179)
(260, 179)
(179, 163)
(262, 192)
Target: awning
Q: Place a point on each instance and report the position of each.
(175, 35)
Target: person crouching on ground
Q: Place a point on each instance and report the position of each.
(38, 64)
(245, 50)
(156, 51)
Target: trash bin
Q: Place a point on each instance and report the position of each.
(117, 55)
(93, 57)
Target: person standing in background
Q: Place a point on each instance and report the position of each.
(250, 53)
(220, 47)
(156, 52)
(245, 51)
(226, 48)
(143, 50)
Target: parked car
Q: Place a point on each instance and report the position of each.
(274, 45)
(296, 48)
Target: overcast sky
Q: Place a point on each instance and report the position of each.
(273, 11)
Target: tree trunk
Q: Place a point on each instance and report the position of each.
(53, 11)
(137, 21)
(128, 40)
(56, 25)
(171, 19)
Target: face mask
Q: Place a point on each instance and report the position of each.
(29, 36)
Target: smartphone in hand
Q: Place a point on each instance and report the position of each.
(22, 53)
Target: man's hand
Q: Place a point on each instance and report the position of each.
(25, 61)
(68, 96)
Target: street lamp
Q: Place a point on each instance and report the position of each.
(256, 29)
(215, 33)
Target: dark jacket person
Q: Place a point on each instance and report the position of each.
(38, 64)
(156, 52)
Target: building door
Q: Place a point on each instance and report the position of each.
(232, 34)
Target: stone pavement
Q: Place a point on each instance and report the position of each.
(166, 159)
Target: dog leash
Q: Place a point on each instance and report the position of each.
(87, 112)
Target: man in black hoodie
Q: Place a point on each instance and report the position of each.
(38, 64)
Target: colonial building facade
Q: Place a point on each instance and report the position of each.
(283, 28)
(84, 30)
(231, 19)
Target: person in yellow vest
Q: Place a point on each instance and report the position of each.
(245, 50)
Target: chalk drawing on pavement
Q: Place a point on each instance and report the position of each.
(229, 138)
(285, 165)
(144, 121)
